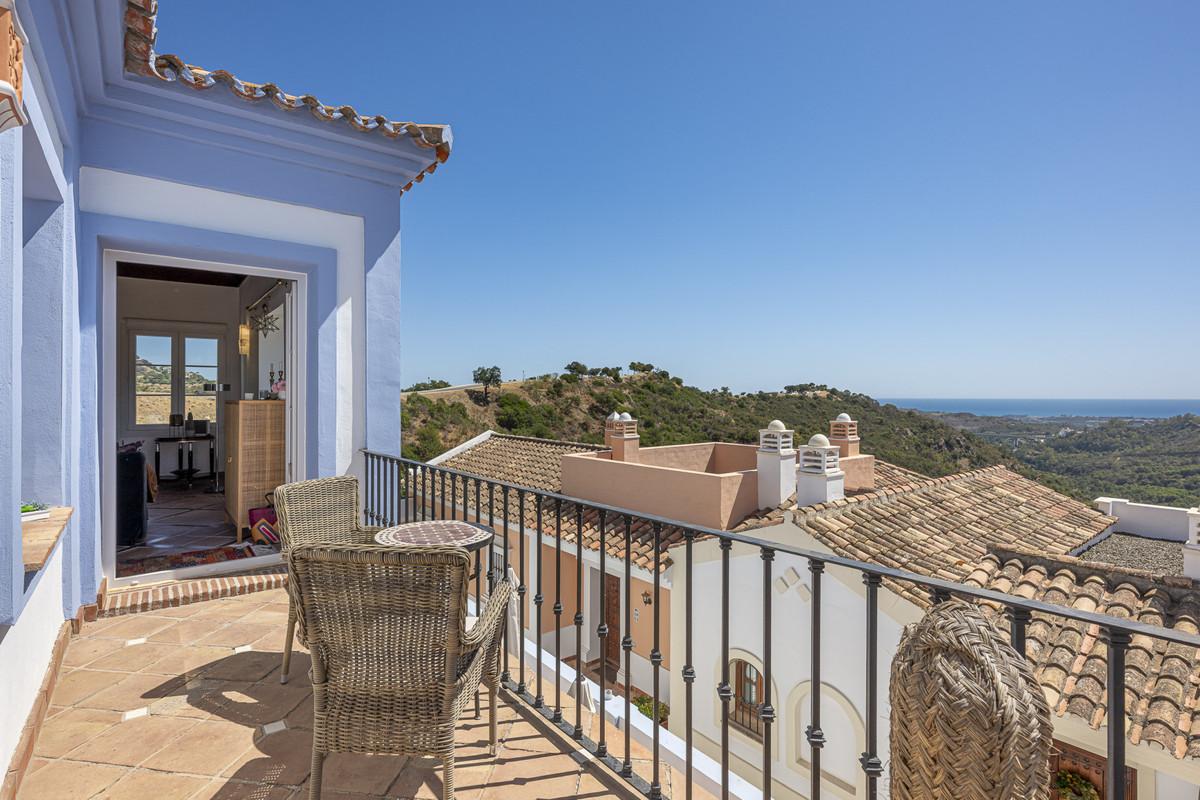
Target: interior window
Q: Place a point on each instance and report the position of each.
(200, 367)
(153, 379)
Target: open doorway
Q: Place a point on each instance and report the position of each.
(203, 418)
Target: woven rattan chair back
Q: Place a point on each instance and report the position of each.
(393, 663)
(968, 719)
(318, 511)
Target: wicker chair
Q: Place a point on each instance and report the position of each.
(394, 662)
(321, 511)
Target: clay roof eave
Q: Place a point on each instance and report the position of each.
(141, 59)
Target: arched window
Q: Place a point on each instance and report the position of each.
(747, 684)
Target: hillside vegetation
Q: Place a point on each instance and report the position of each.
(1147, 462)
(573, 406)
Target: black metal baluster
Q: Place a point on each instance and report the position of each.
(558, 610)
(538, 598)
(1018, 619)
(814, 734)
(870, 762)
(689, 671)
(504, 673)
(602, 635)
(442, 481)
(521, 591)
(578, 621)
(627, 644)
(655, 663)
(478, 570)
(368, 490)
(724, 691)
(1114, 776)
(454, 496)
(766, 711)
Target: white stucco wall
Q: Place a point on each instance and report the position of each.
(1154, 522)
(25, 650)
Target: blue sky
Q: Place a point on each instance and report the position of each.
(964, 200)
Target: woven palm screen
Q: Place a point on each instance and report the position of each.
(969, 722)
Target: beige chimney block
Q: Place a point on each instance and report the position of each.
(621, 436)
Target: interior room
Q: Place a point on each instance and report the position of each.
(201, 415)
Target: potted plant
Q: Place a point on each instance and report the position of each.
(1073, 786)
(645, 704)
(32, 511)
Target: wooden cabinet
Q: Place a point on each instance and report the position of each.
(255, 455)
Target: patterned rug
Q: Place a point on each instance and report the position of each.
(194, 558)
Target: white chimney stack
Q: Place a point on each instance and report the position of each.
(1191, 548)
(776, 465)
(621, 436)
(819, 478)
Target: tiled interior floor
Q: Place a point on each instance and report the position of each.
(186, 703)
(182, 520)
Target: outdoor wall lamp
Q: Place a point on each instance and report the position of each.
(646, 598)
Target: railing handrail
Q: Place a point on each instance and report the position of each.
(1129, 626)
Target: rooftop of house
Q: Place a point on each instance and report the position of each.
(141, 59)
(1163, 681)
(1161, 557)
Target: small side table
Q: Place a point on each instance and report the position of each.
(186, 473)
(470, 536)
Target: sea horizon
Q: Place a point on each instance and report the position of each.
(1049, 407)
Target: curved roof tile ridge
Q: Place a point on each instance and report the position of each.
(140, 59)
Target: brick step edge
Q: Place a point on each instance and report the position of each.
(181, 593)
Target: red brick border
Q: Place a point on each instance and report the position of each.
(180, 593)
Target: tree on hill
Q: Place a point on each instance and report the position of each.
(487, 376)
(640, 366)
(576, 368)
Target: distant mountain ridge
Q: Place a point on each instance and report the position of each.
(573, 406)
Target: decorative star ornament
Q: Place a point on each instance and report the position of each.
(264, 322)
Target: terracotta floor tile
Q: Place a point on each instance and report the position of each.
(133, 690)
(81, 651)
(72, 728)
(185, 631)
(132, 658)
(77, 685)
(370, 775)
(227, 789)
(132, 742)
(204, 749)
(250, 666)
(185, 660)
(422, 778)
(275, 759)
(147, 785)
(132, 626)
(237, 634)
(68, 780)
(533, 776)
(256, 704)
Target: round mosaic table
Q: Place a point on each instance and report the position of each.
(467, 535)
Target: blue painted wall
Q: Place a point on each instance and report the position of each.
(90, 114)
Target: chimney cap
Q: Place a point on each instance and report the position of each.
(613, 417)
(776, 426)
(819, 440)
(625, 417)
(844, 417)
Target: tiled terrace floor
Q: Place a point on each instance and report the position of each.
(186, 703)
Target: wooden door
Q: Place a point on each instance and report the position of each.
(612, 618)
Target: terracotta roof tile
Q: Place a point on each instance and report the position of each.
(1070, 659)
(140, 59)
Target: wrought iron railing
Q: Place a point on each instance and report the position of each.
(399, 490)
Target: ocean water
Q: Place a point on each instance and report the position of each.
(1041, 407)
